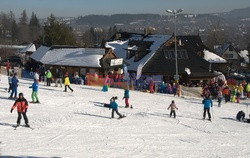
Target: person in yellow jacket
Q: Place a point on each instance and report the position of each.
(248, 90)
(241, 89)
(67, 82)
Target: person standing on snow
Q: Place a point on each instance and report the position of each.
(10, 82)
(126, 96)
(67, 83)
(22, 106)
(220, 96)
(172, 107)
(59, 77)
(207, 105)
(35, 87)
(14, 87)
(8, 67)
(49, 77)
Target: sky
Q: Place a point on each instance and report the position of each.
(74, 8)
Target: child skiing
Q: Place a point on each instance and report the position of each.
(22, 106)
(126, 96)
(67, 82)
(114, 107)
(34, 87)
(207, 105)
(172, 107)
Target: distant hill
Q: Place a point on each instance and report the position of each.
(237, 14)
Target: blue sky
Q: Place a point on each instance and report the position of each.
(68, 8)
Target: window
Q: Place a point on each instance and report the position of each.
(170, 54)
(229, 56)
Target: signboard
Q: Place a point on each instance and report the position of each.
(114, 62)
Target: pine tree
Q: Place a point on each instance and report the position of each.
(35, 29)
(57, 33)
(24, 32)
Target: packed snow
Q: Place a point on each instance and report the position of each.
(77, 125)
(212, 57)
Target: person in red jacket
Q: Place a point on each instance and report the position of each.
(8, 67)
(22, 106)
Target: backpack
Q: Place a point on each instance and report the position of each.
(240, 116)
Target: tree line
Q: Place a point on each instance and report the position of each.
(52, 32)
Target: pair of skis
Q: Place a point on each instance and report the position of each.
(16, 126)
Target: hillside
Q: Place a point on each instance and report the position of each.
(77, 125)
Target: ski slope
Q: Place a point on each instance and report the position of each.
(77, 125)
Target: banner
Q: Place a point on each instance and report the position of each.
(114, 62)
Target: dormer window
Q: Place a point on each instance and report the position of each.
(130, 54)
(170, 54)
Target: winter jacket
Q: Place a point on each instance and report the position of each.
(34, 87)
(59, 74)
(10, 79)
(219, 94)
(172, 107)
(126, 93)
(207, 103)
(66, 81)
(226, 91)
(7, 65)
(114, 105)
(21, 104)
(248, 87)
(49, 74)
(14, 82)
(240, 88)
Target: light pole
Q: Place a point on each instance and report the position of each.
(175, 12)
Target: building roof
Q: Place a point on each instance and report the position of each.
(212, 57)
(120, 47)
(198, 66)
(85, 57)
(30, 48)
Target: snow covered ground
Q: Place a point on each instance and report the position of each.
(77, 125)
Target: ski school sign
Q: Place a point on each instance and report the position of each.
(111, 80)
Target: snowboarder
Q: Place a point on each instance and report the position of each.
(114, 107)
(126, 96)
(207, 105)
(14, 87)
(172, 107)
(22, 106)
(67, 82)
(35, 87)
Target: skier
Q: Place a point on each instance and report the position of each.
(126, 96)
(207, 105)
(172, 107)
(22, 106)
(67, 82)
(111, 100)
(10, 82)
(114, 107)
(35, 87)
(14, 87)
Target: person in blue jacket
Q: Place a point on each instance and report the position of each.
(114, 107)
(207, 105)
(14, 81)
(34, 96)
(126, 96)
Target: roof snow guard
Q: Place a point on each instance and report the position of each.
(85, 57)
